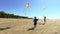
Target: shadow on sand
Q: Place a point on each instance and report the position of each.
(30, 29)
(5, 28)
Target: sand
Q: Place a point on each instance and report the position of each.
(21, 26)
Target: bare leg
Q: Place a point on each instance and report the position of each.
(44, 22)
(34, 26)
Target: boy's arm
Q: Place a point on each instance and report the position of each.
(37, 19)
(33, 20)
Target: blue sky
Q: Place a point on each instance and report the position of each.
(17, 7)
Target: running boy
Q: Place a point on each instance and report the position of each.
(35, 22)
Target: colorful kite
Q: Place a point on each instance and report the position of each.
(27, 5)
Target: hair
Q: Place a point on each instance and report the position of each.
(35, 17)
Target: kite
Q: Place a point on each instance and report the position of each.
(44, 8)
(27, 5)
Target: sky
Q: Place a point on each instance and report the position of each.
(17, 7)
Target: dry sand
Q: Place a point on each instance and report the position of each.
(21, 26)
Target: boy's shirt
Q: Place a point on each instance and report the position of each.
(35, 20)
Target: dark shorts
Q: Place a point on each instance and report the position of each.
(45, 20)
(35, 23)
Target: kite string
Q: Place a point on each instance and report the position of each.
(44, 8)
(24, 13)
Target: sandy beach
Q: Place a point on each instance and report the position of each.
(21, 26)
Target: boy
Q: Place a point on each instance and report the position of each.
(35, 22)
(44, 20)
